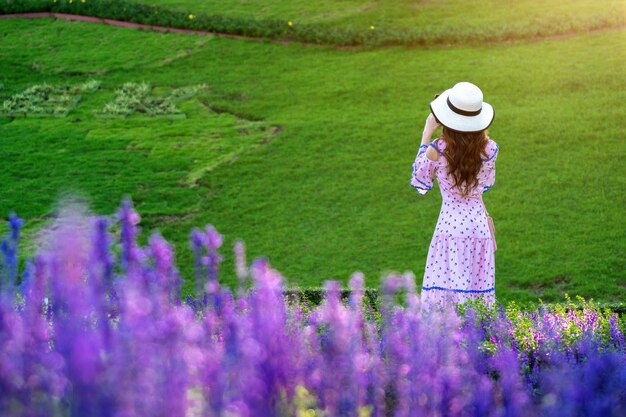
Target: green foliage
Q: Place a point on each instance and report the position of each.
(46, 99)
(136, 98)
(441, 17)
(311, 297)
(305, 404)
(571, 320)
(188, 91)
(25, 6)
(400, 26)
(315, 296)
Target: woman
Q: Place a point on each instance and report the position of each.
(460, 263)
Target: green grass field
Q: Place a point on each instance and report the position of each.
(460, 16)
(305, 153)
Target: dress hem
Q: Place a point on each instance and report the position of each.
(462, 237)
(457, 290)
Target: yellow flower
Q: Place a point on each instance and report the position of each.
(290, 23)
(191, 16)
(372, 27)
(365, 411)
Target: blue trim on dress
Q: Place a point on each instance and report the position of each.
(428, 187)
(423, 146)
(487, 188)
(420, 190)
(492, 156)
(455, 290)
(436, 148)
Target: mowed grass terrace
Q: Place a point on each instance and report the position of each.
(451, 20)
(305, 153)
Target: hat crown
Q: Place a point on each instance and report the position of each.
(466, 96)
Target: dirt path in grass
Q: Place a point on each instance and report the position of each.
(139, 26)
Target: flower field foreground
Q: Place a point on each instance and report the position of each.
(97, 328)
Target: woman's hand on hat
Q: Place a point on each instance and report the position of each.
(431, 124)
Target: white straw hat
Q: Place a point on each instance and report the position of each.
(462, 108)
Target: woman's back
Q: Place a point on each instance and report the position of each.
(486, 175)
(425, 170)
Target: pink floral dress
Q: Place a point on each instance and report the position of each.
(460, 263)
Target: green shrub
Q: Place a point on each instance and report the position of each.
(47, 99)
(371, 296)
(313, 33)
(135, 98)
(25, 6)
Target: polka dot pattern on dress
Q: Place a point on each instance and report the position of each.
(461, 259)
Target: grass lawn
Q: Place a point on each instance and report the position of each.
(445, 16)
(330, 193)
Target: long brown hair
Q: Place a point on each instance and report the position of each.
(464, 152)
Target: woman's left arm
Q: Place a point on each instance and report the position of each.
(424, 167)
(430, 127)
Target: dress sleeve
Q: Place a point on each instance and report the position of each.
(423, 171)
(490, 163)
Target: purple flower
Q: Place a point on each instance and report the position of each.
(97, 334)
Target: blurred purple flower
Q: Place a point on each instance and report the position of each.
(95, 334)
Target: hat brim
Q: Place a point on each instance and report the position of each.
(448, 118)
